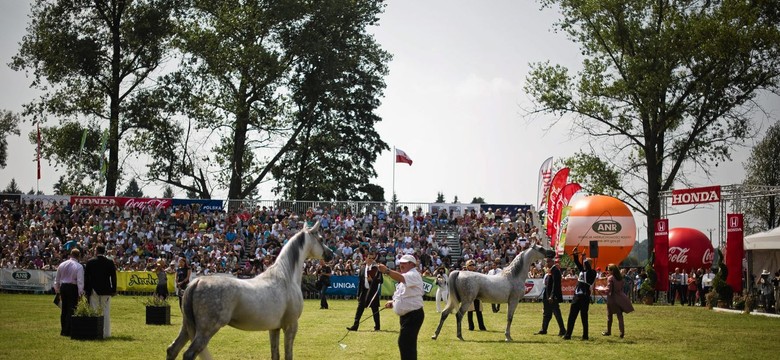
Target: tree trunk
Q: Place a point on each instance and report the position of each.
(239, 147)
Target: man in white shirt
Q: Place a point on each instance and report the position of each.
(407, 303)
(494, 270)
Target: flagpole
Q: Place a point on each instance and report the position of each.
(392, 199)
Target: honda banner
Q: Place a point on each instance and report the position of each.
(735, 251)
(696, 195)
(661, 247)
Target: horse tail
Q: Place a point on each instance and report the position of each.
(188, 308)
(454, 296)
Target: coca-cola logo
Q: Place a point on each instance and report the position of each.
(142, 203)
(708, 257)
(678, 255)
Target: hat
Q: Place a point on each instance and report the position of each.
(408, 259)
(470, 263)
(765, 272)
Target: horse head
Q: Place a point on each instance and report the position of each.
(534, 253)
(319, 250)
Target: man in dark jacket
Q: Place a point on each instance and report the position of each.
(581, 302)
(100, 285)
(369, 287)
(552, 296)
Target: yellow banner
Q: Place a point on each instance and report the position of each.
(141, 281)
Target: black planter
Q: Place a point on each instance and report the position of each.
(86, 328)
(158, 315)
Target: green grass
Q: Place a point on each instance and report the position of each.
(29, 329)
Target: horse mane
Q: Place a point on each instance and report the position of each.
(518, 264)
(289, 256)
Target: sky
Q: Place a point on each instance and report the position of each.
(454, 103)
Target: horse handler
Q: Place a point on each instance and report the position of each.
(407, 303)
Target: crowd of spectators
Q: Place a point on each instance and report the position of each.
(36, 235)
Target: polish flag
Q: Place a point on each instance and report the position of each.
(401, 157)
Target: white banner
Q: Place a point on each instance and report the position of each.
(26, 280)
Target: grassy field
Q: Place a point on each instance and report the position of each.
(29, 329)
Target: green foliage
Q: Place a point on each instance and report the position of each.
(94, 60)
(719, 284)
(9, 125)
(156, 301)
(12, 188)
(168, 192)
(763, 169)
(83, 309)
(477, 200)
(439, 198)
(652, 113)
(647, 289)
(594, 174)
(132, 190)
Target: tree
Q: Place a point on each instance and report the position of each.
(665, 86)
(132, 190)
(597, 175)
(12, 188)
(455, 200)
(477, 200)
(287, 89)
(94, 60)
(439, 198)
(9, 125)
(168, 192)
(763, 170)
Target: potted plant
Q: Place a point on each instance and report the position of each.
(158, 311)
(719, 285)
(86, 322)
(647, 289)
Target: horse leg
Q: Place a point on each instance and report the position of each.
(274, 336)
(444, 316)
(464, 306)
(510, 313)
(199, 343)
(178, 344)
(289, 337)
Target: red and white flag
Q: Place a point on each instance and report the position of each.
(38, 155)
(401, 157)
(545, 178)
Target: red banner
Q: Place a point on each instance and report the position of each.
(661, 248)
(558, 182)
(735, 250)
(137, 203)
(696, 195)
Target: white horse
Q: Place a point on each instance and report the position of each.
(506, 287)
(442, 292)
(270, 301)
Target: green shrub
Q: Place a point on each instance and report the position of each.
(83, 309)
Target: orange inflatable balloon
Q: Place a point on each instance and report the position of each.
(605, 220)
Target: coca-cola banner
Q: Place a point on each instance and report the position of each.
(689, 249)
(696, 195)
(136, 203)
(735, 250)
(661, 247)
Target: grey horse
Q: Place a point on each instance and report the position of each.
(270, 301)
(506, 287)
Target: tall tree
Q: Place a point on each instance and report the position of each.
(9, 125)
(286, 84)
(762, 173)
(93, 60)
(439, 197)
(663, 84)
(12, 188)
(132, 189)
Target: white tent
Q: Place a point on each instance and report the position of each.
(763, 251)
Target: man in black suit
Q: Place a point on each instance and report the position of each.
(552, 296)
(369, 287)
(100, 285)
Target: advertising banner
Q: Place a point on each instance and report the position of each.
(141, 281)
(205, 204)
(26, 280)
(343, 285)
(661, 260)
(735, 250)
(696, 195)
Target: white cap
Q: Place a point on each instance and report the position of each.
(408, 259)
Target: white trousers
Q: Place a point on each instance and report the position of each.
(104, 301)
(441, 297)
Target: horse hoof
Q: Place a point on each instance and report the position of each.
(434, 337)
(508, 339)
(461, 338)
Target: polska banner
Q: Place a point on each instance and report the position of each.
(661, 248)
(735, 250)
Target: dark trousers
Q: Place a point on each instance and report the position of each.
(411, 323)
(359, 314)
(323, 298)
(480, 322)
(550, 309)
(579, 306)
(69, 297)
